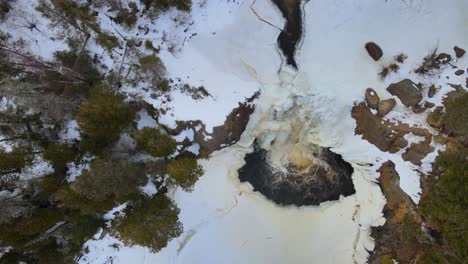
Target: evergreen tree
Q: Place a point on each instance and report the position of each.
(184, 172)
(110, 179)
(151, 222)
(154, 142)
(446, 204)
(59, 155)
(103, 118)
(15, 160)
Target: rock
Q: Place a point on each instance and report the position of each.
(380, 132)
(399, 208)
(372, 128)
(434, 119)
(223, 135)
(459, 52)
(417, 109)
(389, 182)
(372, 99)
(432, 91)
(374, 50)
(443, 58)
(407, 91)
(459, 72)
(385, 106)
(428, 105)
(417, 152)
(401, 142)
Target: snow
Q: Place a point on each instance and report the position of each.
(339, 68)
(149, 189)
(39, 168)
(187, 133)
(412, 138)
(145, 120)
(233, 55)
(224, 220)
(195, 149)
(41, 40)
(70, 132)
(111, 214)
(227, 217)
(75, 169)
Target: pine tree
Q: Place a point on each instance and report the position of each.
(15, 160)
(154, 142)
(184, 172)
(151, 222)
(110, 179)
(102, 118)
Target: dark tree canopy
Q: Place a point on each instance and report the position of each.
(185, 172)
(447, 203)
(103, 117)
(59, 155)
(161, 5)
(110, 179)
(154, 142)
(455, 118)
(152, 223)
(15, 160)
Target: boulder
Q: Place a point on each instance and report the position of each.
(432, 91)
(417, 109)
(401, 142)
(459, 52)
(459, 72)
(374, 50)
(442, 59)
(385, 106)
(434, 119)
(372, 99)
(428, 105)
(417, 152)
(407, 91)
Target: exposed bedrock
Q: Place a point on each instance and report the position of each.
(323, 180)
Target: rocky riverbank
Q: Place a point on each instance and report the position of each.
(411, 234)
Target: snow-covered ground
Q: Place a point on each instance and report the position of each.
(234, 54)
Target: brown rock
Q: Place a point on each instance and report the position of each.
(432, 91)
(434, 119)
(428, 105)
(372, 99)
(382, 133)
(417, 152)
(222, 136)
(443, 58)
(399, 207)
(418, 109)
(459, 52)
(401, 142)
(459, 72)
(397, 199)
(371, 128)
(374, 50)
(407, 91)
(385, 106)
